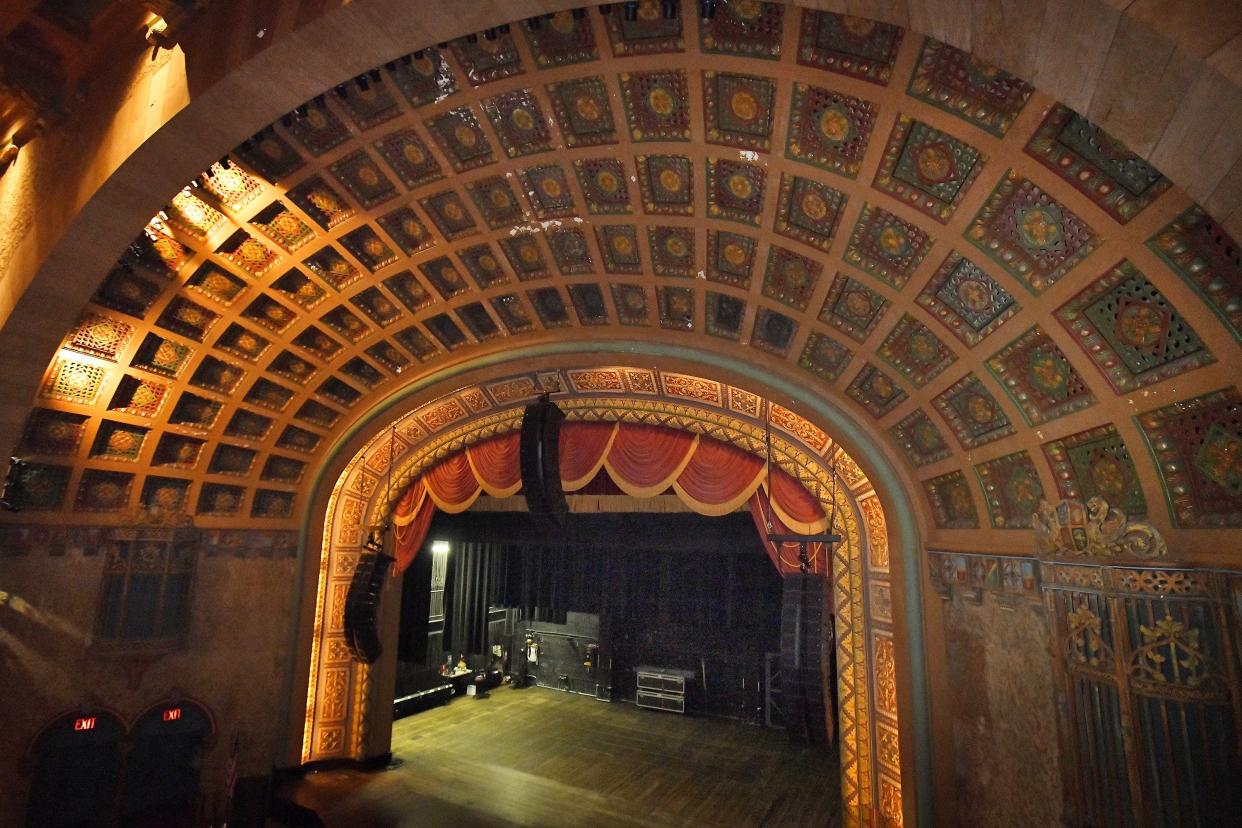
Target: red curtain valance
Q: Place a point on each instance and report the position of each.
(710, 476)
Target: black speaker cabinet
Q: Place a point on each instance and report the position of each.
(541, 471)
(803, 656)
(362, 607)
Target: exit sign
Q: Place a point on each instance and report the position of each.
(84, 724)
(172, 714)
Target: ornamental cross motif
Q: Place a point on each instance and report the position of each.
(1094, 529)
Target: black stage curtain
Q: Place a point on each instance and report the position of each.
(473, 582)
(415, 607)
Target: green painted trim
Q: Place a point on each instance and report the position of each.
(884, 476)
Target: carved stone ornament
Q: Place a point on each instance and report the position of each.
(1093, 529)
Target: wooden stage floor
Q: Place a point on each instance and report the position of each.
(546, 758)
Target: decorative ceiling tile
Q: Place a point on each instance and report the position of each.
(483, 266)
(1096, 164)
(773, 331)
(513, 314)
(676, 307)
(270, 155)
(917, 353)
(730, 257)
(365, 374)
(233, 460)
(631, 304)
(1197, 444)
(319, 130)
(960, 83)
(583, 112)
(519, 121)
(156, 253)
(1131, 331)
(570, 250)
(409, 158)
(496, 201)
(365, 245)
(362, 177)
(735, 190)
(298, 439)
(737, 110)
(51, 432)
(317, 414)
(525, 257)
(177, 451)
(588, 302)
(973, 413)
(283, 226)
(808, 211)
(138, 396)
(829, 129)
(853, 46)
(488, 59)
(416, 342)
(166, 494)
(167, 357)
(292, 367)
(875, 391)
(746, 29)
(1206, 257)
(126, 292)
(449, 214)
(341, 320)
(852, 307)
(317, 343)
(269, 503)
(824, 357)
(322, 203)
(725, 314)
(1033, 237)
(246, 425)
(215, 283)
(1039, 379)
(328, 264)
(1011, 490)
(887, 247)
(649, 33)
(563, 39)
(231, 185)
(103, 491)
(270, 313)
(99, 336)
(672, 250)
(1096, 463)
(235, 340)
(280, 469)
(951, 504)
(790, 278)
(368, 103)
(927, 169)
(220, 500)
(550, 307)
(264, 393)
(189, 319)
(548, 191)
(478, 321)
(444, 277)
(458, 133)
(217, 375)
(920, 439)
(967, 300)
(603, 184)
(424, 79)
(408, 290)
(193, 216)
(385, 354)
(118, 441)
(618, 247)
(667, 184)
(247, 253)
(44, 486)
(300, 289)
(657, 104)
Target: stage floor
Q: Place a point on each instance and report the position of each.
(542, 757)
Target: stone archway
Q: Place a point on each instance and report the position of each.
(344, 715)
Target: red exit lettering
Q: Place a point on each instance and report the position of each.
(172, 714)
(84, 724)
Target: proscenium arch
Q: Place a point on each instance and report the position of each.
(902, 521)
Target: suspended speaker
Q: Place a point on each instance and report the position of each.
(803, 655)
(362, 607)
(541, 470)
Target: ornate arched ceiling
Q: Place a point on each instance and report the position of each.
(1010, 299)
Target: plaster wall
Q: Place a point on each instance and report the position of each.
(1000, 694)
(234, 662)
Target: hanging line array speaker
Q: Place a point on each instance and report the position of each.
(541, 471)
(362, 607)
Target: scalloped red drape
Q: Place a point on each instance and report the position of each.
(709, 476)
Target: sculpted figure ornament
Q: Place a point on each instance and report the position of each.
(1093, 529)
